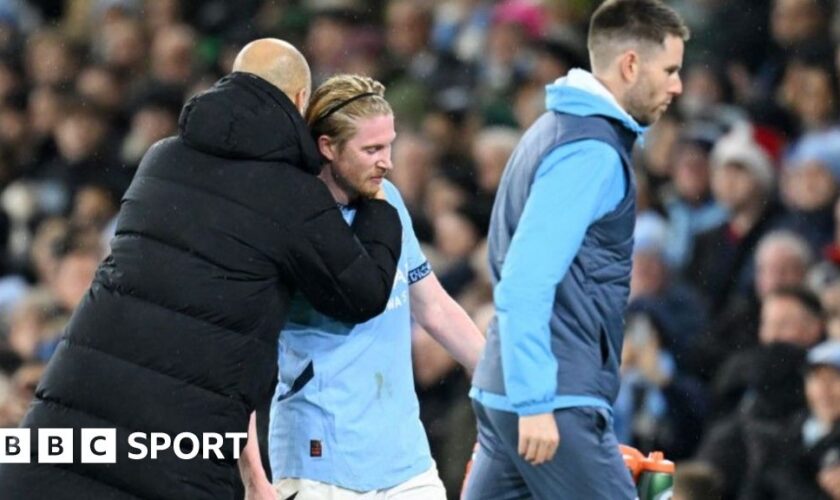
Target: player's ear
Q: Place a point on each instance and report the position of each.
(326, 147)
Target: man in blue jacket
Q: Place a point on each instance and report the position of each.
(560, 248)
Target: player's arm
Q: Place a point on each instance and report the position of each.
(446, 321)
(574, 186)
(257, 486)
(345, 273)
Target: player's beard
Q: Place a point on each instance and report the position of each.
(642, 104)
(356, 187)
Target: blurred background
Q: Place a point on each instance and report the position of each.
(736, 273)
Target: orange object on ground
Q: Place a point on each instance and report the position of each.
(633, 459)
(638, 463)
(655, 462)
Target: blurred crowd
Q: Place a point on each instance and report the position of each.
(731, 361)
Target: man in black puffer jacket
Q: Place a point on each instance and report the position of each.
(178, 332)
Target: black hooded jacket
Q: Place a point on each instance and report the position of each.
(178, 332)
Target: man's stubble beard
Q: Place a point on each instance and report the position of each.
(345, 185)
(638, 101)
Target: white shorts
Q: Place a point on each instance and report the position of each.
(425, 486)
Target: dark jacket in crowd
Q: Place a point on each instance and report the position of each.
(733, 330)
(790, 467)
(816, 227)
(722, 264)
(178, 333)
(767, 383)
(769, 375)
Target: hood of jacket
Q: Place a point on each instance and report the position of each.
(580, 93)
(244, 117)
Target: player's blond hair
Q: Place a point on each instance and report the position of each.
(338, 103)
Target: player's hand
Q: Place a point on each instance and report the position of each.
(260, 490)
(538, 437)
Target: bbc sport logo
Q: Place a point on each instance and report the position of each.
(99, 446)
